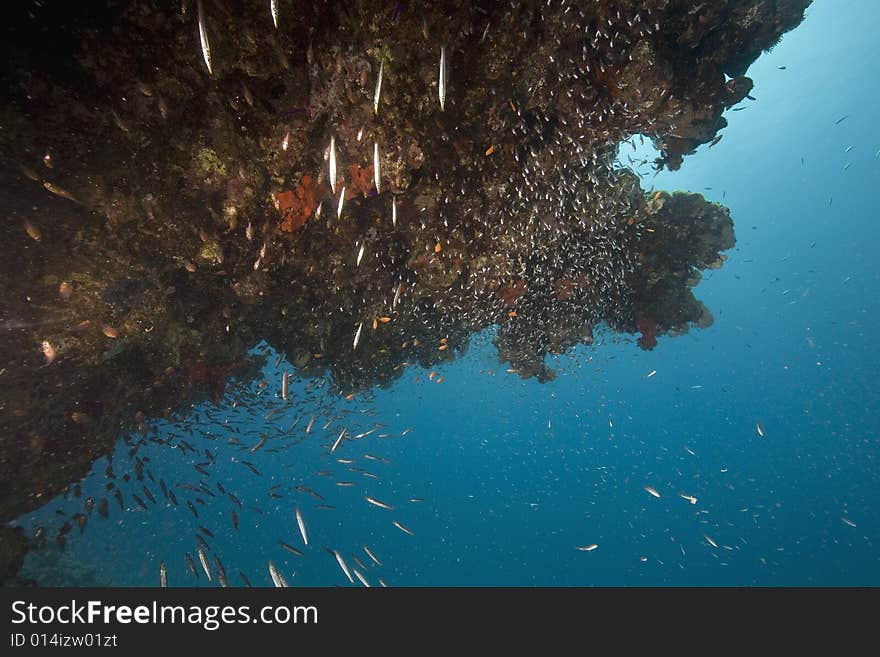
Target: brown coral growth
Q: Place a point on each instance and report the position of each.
(510, 293)
(361, 180)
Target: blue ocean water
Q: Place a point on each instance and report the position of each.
(515, 475)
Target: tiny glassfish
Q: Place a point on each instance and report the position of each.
(49, 352)
(33, 232)
(58, 191)
(586, 548)
(652, 491)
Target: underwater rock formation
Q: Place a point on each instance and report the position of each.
(161, 218)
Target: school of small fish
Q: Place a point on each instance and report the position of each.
(258, 432)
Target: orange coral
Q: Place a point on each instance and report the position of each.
(361, 180)
(510, 293)
(296, 206)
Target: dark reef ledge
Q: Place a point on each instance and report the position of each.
(159, 219)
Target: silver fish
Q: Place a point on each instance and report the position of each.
(338, 441)
(163, 575)
(360, 255)
(221, 573)
(191, 565)
(397, 295)
(341, 203)
(376, 174)
(361, 578)
(302, 526)
(442, 82)
(333, 164)
(378, 88)
(284, 386)
(292, 549)
(203, 38)
(379, 503)
(357, 335)
(342, 565)
(394, 211)
(309, 425)
(277, 577)
(203, 558)
(402, 528)
(371, 555)
(273, 6)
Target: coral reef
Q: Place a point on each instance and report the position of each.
(159, 218)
